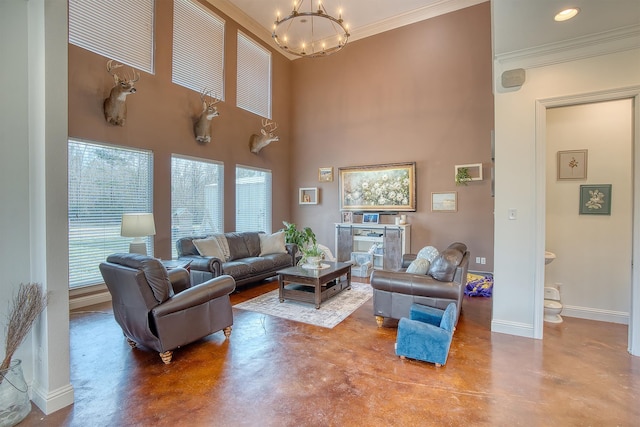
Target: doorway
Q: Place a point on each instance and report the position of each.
(633, 296)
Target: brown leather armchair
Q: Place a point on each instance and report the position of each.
(159, 309)
(395, 291)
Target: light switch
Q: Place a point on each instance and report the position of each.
(513, 213)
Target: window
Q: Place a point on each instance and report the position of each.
(197, 190)
(198, 48)
(104, 182)
(122, 31)
(253, 199)
(254, 77)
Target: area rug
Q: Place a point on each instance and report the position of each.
(331, 312)
(479, 285)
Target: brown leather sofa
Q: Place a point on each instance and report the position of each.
(395, 291)
(244, 262)
(159, 309)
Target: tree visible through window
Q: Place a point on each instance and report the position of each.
(253, 199)
(197, 202)
(104, 182)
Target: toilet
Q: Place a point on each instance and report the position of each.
(552, 305)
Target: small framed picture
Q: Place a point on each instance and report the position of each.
(595, 199)
(572, 164)
(325, 174)
(444, 202)
(347, 217)
(370, 218)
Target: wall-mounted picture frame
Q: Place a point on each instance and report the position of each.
(572, 165)
(370, 218)
(325, 174)
(595, 199)
(389, 187)
(308, 196)
(444, 202)
(347, 217)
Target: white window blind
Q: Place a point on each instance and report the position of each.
(254, 77)
(198, 48)
(197, 202)
(104, 183)
(253, 199)
(121, 30)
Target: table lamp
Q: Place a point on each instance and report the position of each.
(138, 226)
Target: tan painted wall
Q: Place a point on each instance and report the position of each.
(418, 93)
(160, 117)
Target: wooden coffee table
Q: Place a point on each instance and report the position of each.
(313, 285)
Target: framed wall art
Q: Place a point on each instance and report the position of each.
(347, 217)
(595, 199)
(325, 174)
(390, 187)
(572, 164)
(444, 202)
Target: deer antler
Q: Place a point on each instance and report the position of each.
(269, 126)
(207, 93)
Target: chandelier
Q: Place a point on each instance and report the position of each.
(310, 33)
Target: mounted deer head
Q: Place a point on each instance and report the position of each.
(115, 107)
(202, 126)
(258, 142)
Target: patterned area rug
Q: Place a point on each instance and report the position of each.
(331, 312)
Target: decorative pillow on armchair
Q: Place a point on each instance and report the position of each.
(272, 243)
(429, 253)
(419, 266)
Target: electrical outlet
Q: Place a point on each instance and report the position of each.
(483, 260)
(477, 260)
(513, 214)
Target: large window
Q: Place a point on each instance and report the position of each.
(254, 77)
(104, 182)
(253, 199)
(119, 30)
(198, 48)
(197, 190)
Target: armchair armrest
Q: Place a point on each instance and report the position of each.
(292, 249)
(196, 295)
(209, 264)
(179, 278)
(414, 284)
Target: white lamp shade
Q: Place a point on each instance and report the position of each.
(137, 225)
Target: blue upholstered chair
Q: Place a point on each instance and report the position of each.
(427, 334)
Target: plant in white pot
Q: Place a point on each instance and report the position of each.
(25, 307)
(311, 255)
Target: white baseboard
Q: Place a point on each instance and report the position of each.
(512, 328)
(87, 300)
(595, 314)
(52, 401)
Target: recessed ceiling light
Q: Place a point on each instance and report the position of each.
(566, 14)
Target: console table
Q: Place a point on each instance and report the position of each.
(395, 241)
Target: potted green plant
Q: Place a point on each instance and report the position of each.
(462, 176)
(305, 239)
(311, 255)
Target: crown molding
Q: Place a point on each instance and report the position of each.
(607, 42)
(441, 7)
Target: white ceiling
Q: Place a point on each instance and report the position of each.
(518, 24)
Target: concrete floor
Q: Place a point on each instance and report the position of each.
(274, 372)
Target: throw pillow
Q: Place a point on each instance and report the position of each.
(224, 245)
(419, 266)
(209, 247)
(429, 253)
(443, 268)
(272, 243)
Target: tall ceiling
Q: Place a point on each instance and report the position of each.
(518, 24)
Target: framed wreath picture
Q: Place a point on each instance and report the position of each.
(572, 164)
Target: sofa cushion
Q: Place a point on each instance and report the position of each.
(236, 269)
(419, 266)
(209, 247)
(272, 243)
(444, 266)
(252, 240)
(429, 253)
(237, 246)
